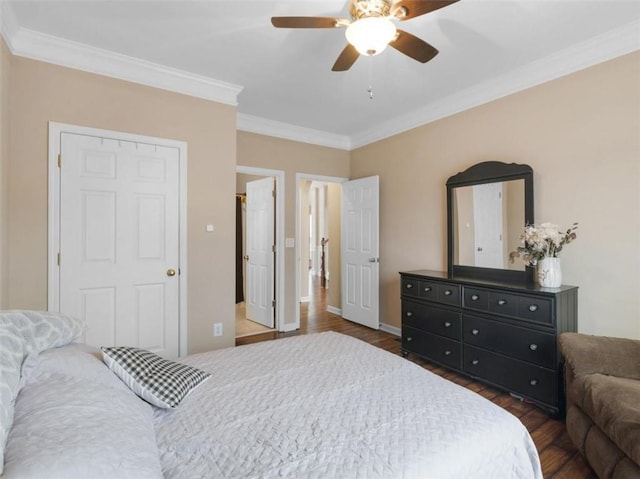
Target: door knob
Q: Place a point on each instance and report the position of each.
(171, 272)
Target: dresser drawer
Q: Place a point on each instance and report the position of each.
(520, 306)
(514, 375)
(442, 350)
(410, 287)
(448, 293)
(428, 318)
(476, 298)
(503, 303)
(521, 343)
(445, 293)
(535, 309)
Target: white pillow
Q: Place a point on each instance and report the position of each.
(158, 381)
(22, 333)
(74, 420)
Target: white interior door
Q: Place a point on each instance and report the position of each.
(488, 225)
(360, 260)
(119, 241)
(260, 251)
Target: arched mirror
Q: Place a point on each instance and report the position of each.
(487, 208)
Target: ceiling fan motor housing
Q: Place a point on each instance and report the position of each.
(369, 8)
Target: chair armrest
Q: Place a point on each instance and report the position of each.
(586, 354)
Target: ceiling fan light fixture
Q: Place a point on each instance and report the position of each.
(371, 35)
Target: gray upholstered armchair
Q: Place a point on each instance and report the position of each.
(602, 377)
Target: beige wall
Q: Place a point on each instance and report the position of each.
(41, 93)
(581, 136)
(514, 201)
(291, 157)
(242, 179)
(334, 201)
(5, 65)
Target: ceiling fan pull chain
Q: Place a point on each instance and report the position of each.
(370, 90)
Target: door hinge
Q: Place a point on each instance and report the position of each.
(273, 248)
(273, 193)
(59, 160)
(58, 259)
(273, 303)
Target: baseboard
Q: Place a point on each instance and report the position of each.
(288, 328)
(387, 328)
(334, 310)
(305, 299)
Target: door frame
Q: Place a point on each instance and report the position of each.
(279, 236)
(53, 283)
(300, 177)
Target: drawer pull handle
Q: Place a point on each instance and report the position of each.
(475, 297)
(448, 292)
(475, 331)
(409, 285)
(502, 302)
(475, 362)
(409, 339)
(533, 346)
(427, 289)
(447, 352)
(447, 324)
(533, 308)
(533, 382)
(409, 314)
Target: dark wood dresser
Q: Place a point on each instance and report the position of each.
(502, 333)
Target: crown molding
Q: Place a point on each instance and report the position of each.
(47, 48)
(50, 49)
(601, 48)
(287, 131)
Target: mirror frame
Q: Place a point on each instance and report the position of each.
(489, 172)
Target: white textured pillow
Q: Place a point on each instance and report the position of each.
(74, 419)
(158, 381)
(22, 333)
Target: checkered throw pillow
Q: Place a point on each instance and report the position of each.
(158, 381)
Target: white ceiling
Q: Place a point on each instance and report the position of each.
(487, 49)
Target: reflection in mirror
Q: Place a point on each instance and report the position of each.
(488, 205)
(488, 220)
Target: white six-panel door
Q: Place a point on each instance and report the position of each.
(119, 241)
(488, 226)
(360, 255)
(260, 251)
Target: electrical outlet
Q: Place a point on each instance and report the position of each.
(217, 329)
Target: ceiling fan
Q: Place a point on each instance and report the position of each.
(371, 28)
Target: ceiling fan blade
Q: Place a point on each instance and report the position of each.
(406, 9)
(308, 22)
(413, 47)
(346, 59)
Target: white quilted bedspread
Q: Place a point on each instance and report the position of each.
(330, 406)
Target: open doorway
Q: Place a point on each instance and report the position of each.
(318, 273)
(258, 251)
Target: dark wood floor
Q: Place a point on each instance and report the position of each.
(558, 456)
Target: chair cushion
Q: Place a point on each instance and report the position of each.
(613, 404)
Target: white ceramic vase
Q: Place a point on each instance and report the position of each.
(549, 272)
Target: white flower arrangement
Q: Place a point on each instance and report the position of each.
(542, 241)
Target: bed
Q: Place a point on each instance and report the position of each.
(321, 405)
